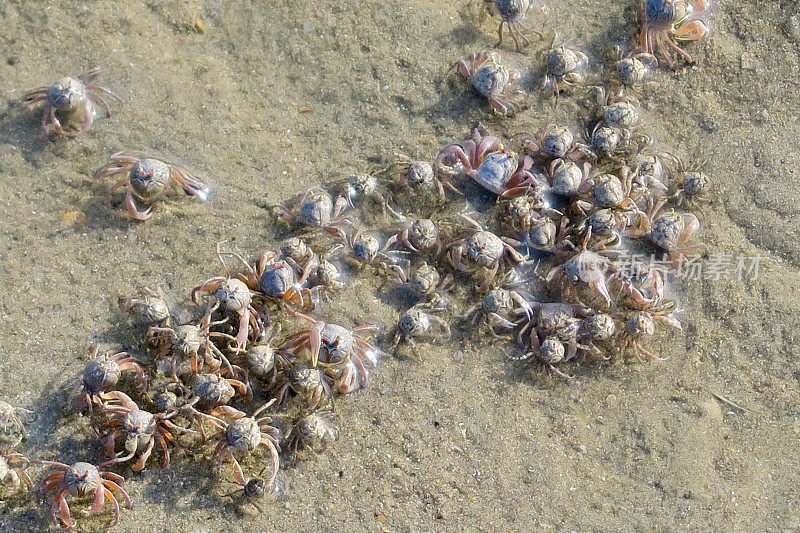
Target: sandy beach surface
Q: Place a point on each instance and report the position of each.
(265, 99)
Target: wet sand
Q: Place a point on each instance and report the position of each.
(462, 440)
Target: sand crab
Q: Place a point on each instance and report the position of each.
(147, 180)
(647, 170)
(640, 325)
(11, 419)
(314, 432)
(485, 160)
(333, 345)
(245, 435)
(140, 429)
(495, 81)
(12, 470)
(102, 372)
(587, 270)
(552, 142)
(69, 100)
(82, 479)
(416, 183)
(276, 278)
(668, 21)
(512, 14)
(565, 67)
(633, 68)
(518, 214)
(209, 395)
(505, 307)
(691, 183)
(315, 208)
(147, 307)
(192, 343)
(422, 236)
(482, 250)
(368, 188)
(554, 333)
(617, 109)
(418, 323)
(668, 231)
(311, 385)
(260, 357)
(254, 489)
(364, 249)
(641, 282)
(233, 296)
(423, 279)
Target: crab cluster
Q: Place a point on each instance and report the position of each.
(666, 23)
(254, 376)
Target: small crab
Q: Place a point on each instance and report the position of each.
(691, 183)
(331, 344)
(668, 231)
(276, 278)
(364, 249)
(147, 307)
(633, 68)
(668, 21)
(417, 323)
(648, 170)
(140, 429)
(416, 183)
(564, 67)
(311, 385)
(485, 160)
(12, 469)
(483, 250)
(210, 394)
(512, 14)
(422, 236)
(192, 343)
(82, 479)
(568, 178)
(640, 325)
(101, 373)
(554, 331)
(147, 180)
(617, 109)
(314, 432)
(552, 142)
(68, 101)
(423, 279)
(518, 214)
(587, 270)
(495, 81)
(245, 435)
(11, 419)
(598, 328)
(254, 489)
(642, 283)
(504, 307)
(315, 208)
(233, 296)
(260, 357)
(369, 189)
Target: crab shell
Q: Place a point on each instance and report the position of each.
(138, 427)
(551, 351)
(233, 295)
(484, 248)
(67, 94)
(99, 374)
(243, 434)
(413, 322)
(82, 479)
(491, 79)
(278, 277)
(316, 209)
(150, 178)
(495, 170)
(336, 343)
(567, 178)
(212, 390)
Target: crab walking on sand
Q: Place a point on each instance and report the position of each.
(68, 101)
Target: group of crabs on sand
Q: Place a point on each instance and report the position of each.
(578, 202)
